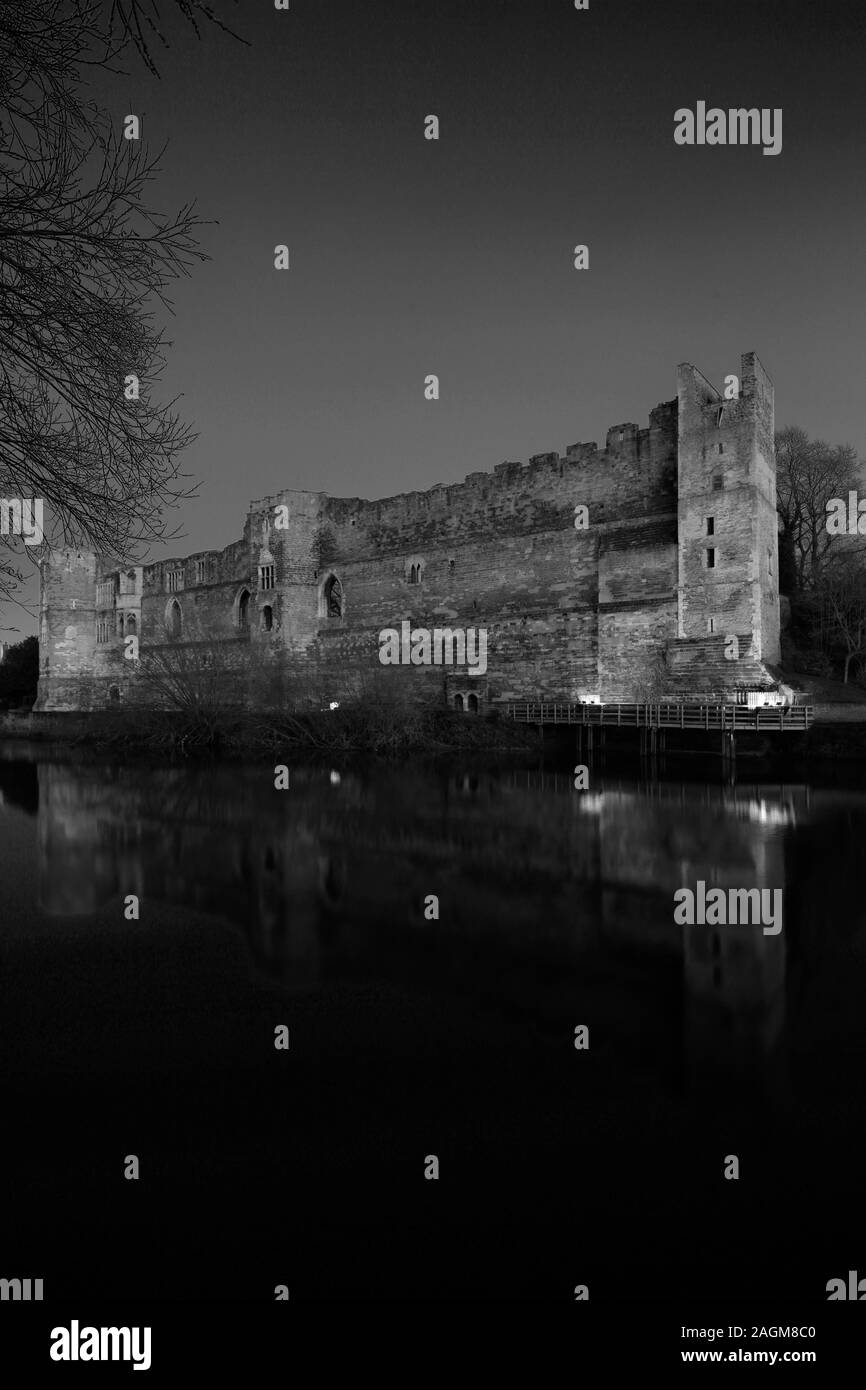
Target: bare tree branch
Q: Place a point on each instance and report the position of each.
(83, 261)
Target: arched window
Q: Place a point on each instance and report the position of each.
(131, 625)
(174, 620)
(114, 693)
(472, 704)
(244, 608)
(332, 598)
(120, 624)
(458, 702)
(267, 618)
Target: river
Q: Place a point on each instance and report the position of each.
(436, 940)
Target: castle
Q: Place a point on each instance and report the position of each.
(679, 554)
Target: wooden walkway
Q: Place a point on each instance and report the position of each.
(717, 715)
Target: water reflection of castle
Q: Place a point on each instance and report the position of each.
(329, 878)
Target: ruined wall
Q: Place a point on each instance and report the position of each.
(499, 551)
(570, 613)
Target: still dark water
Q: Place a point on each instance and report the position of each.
(411, 1037)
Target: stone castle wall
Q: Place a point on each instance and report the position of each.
(569, 613)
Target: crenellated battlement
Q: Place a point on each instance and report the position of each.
(572, 610)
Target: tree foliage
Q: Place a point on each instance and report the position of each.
(19, 674)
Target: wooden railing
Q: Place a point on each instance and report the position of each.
(665, 715)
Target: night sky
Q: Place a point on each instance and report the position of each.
(456, 257)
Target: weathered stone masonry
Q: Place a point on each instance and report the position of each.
(680, 554)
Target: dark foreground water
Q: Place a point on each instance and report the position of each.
(412, 1036)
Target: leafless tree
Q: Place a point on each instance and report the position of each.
(138, 21)
(191, 679)
(83, 262)
(809, 474)
(841, 595)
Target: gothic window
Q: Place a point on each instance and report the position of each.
(332, 598)
(244, 609)
(267, 618)
(472, 704)
(174, 621)
(131, 625)
(458, 702)
(114, 693)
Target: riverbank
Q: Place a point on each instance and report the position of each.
(837, 735)
(377, 729)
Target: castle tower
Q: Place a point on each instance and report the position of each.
(727, 525)
(67, 630)
(283, 537)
